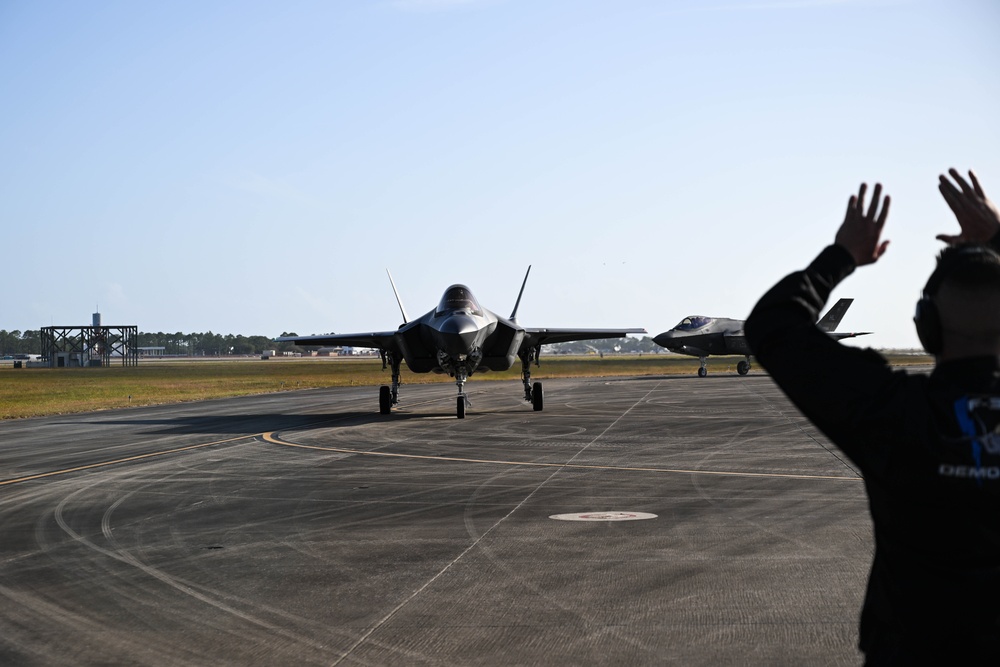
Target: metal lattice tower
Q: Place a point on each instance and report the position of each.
(90, 344)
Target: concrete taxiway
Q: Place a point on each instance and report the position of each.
(718, 527)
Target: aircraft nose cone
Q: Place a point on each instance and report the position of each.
(460, 325)
(457, 334)
(665, 339)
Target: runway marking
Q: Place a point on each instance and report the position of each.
(270, 437)
(139, 457)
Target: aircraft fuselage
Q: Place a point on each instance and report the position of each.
(459, 338)
(699, 336)
(702, 337)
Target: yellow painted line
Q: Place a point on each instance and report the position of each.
(270, 437)
(125, 460)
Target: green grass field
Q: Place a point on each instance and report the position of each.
(33, 392)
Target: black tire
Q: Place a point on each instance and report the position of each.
(461, 407)
(537, 397)
(702, 372)
(384, 400)
(743, 367)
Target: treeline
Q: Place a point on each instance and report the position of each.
(18, 342)
(210, 344)
(193, 344)
(644, 345)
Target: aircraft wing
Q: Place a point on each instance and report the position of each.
(383, 340)
(536, 337)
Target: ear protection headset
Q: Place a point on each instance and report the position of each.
(927, 319)
(928, 323)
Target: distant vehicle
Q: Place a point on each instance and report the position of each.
(26, 357)
(459, 338)
(700, 336)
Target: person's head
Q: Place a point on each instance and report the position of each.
(959, 312)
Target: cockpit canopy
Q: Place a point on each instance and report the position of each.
(458, 297)
(692, 323)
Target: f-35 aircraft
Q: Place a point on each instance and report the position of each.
(701, 337)
(459, 338)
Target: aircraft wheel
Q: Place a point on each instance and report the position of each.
(384, 400)
(743, 367)
(702, 372)
(461, 407)
(537, 400)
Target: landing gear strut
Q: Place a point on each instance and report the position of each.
(461, 375)
(703, 371)
(532, 393)
(389, 396)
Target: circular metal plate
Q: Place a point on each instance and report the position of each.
(604, 516)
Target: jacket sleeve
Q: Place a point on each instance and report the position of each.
(848, 393)
(995, 242)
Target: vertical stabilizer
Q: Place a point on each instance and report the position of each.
(513, 315)
(831, 320)
(406, 317)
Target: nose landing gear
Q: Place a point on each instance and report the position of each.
(461, 375)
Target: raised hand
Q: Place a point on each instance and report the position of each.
(976, 215)
(860, 233)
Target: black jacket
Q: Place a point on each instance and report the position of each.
(929, 451)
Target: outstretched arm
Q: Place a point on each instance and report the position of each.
(839, 389)
(977, 216)
(860, 234)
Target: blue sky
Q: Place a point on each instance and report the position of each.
(254, 167)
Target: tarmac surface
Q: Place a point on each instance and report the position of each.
(305, 528)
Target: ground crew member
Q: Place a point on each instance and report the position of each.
(928, 446)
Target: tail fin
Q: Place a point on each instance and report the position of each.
(513, 315)
(406, 318)
(831, 320)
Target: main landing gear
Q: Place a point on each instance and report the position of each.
(742, 368)
(389, 396)
(532, 392)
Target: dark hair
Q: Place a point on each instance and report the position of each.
(969, 265)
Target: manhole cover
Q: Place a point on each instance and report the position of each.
(604, 516)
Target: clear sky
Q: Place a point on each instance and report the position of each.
(255, 167)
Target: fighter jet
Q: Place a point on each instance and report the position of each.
(459, 338)
(701, 337)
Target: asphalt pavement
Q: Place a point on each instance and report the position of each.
(647, 521)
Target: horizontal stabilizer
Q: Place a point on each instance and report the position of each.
(843, 334)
